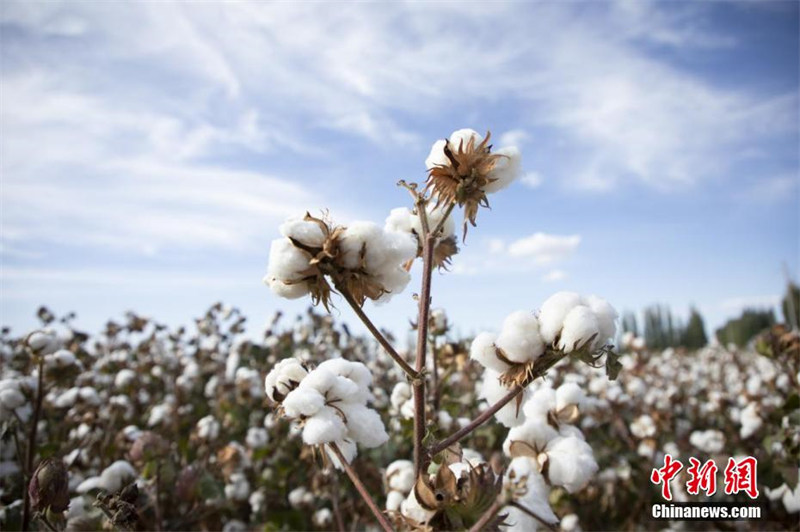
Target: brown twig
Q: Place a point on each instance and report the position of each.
(487, 516)
(362, 490)
(377, 334)
(422, 348)
(31, 450)
(526, 510)
(485, 416)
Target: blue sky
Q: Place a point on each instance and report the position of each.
(150, 150)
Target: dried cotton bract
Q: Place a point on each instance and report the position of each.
(363, 260)
(463, 170)
(330, 403)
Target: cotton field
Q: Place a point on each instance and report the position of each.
(551, 419)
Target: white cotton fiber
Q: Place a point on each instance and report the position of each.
(606, 319)
(303, 402)
(308, 232)
(553, 312)
(571, 463)
(580, 325)
(400, 475)
(506, 170)
(519, 339)
(522, 471)
(484, 351)
(567, 394)
(323, 427)
(492, 391)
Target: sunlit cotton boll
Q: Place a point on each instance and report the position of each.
(283, 378)
(322, 517)
(483, 350)
(284, 272)
(710, 441)
(643, 427)
(492, 391)
(519, 338)
(400, 475)
(208, 428)
(412, 509)
(580, 326)
(112, 479)
(237, 488)
(257, 438)
(571, 463)
(523, 477)
(750, 420)
(553, 313)
(506, 170)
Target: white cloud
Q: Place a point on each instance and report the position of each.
(532, 180)
(737, 304)
(554, 275)
(544, 248)
(515, 137)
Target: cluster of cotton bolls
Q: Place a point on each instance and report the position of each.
(566, 322)
(363, 257)
(330, 403)
(548, 438)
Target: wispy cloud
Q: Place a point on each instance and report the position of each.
(737, 304)
(532, 179)
(554, 275)
(544, 248)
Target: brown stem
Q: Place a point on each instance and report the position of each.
(487, 516)
(422, 349)
(526, 510)
(377, 334)
(337, 511)
(31, 451)
(485, 416)
(435, 376)
(362, 490)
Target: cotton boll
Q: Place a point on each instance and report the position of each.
(257, 438)
(709, 441)
(286, 290)
(299, 497)
(400, 394)
(643, 427)
(570, 463)
(286, 261)
(208, 428)
(523, 475)
(124, 378)
(303, 402)
(393, 500)
(461, 137)
(394, 281)
(542, 400)
(519, 338)
(412, 509)
(553, 312)
(348, 450)
(284, 377)
(400, 220)
(359, 237)
(400, 475)
(436, 157)
(580, 325)
(492, 391)
(606, 319)
(568, 394)
(306, 232)
(750, 421)
(507, 169)
(112, 479)
(364, 425)
(531, 435)
(237, 488)
(791, 499)
(484, 351)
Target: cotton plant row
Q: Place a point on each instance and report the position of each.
(329, 403)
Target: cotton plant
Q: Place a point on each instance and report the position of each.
(362, 261)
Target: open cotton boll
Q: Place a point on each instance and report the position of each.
(284, 377)
(506, 170)
(112, 479)
(323, 427)
(519, 339)
(580, 325)
(541, 401)
(400, 220)
(61, 359)
(553, 313)
(124, 378)
(412, 509)
(348, 450)
(523, 475)
(436, 157)
(237, 488)
(606, 319)
(492, 391)
(571, 462)
(643, 427)
(568, 394)
(364, 425)
(750, 421)
(400, 475)
(304, 401)
(710, 441)
(354, 372)
(307, 232)
(286, 291)
(360, 237)
(394, 281)
(393, 500)
(484, 351)
(533, 433)
(286, 262)
(461, 137)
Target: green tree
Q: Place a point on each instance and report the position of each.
(741, 330)
(694, 336)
